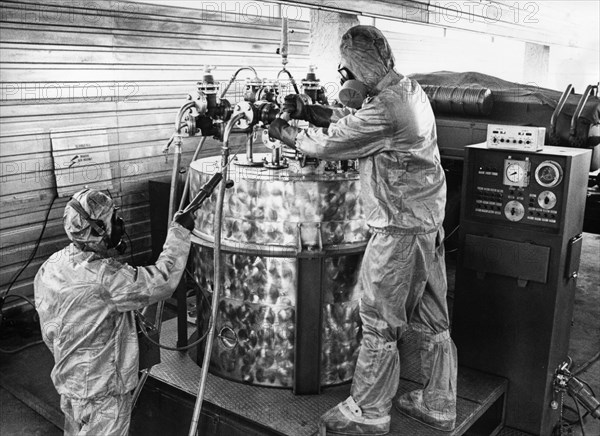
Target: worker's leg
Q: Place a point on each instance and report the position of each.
(107, 416)
(72, 426)
(435, 404)
(385, 280)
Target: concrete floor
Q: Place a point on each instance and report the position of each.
(17, 419)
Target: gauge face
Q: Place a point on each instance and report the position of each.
(547, 200)
(514, 211)
(516, 172)
(548, 174)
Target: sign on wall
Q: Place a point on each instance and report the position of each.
(81, 158)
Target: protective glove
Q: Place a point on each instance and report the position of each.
(294, 105)
(185, 220)
(281, 130)
(315, 114)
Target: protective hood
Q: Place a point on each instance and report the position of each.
(99, 206)
(367, 54)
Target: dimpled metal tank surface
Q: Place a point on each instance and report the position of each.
(272, 221)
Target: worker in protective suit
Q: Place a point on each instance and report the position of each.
(85, 300)
(403, 190)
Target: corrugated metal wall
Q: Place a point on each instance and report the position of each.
(122, 66)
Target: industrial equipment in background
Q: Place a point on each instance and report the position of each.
(465, 104)
(519, 250)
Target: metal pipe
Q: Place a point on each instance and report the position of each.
(172, 200)
(559, 108)
(186, 187)
(217, 274)
(582, 101)
(182, 109)
(234, 77)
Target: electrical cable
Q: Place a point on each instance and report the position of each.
(24, 347)
(18, 350)
(451, 233)
(130, 248)
(35, 248)
(587, 364)
(22, 297)
(142, 322)
(579, 414)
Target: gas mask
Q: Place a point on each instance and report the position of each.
(98, 228)
(116, 240)
(353, 91)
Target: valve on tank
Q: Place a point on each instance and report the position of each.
(311, 86)
(218, 111)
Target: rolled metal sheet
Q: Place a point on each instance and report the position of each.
(461, 100)
(272, 218)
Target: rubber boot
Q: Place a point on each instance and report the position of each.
(367, 410)
(347, 419)
(435, 405)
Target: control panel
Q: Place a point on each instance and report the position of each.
(517, 188)
(518, 257)
(523, 138)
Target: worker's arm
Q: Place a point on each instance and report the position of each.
(323, 116)
(316, 114)
(130, 288)
(367, 131)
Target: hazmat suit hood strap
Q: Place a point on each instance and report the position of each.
(390, 79)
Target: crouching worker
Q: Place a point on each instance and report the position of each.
(85, 300)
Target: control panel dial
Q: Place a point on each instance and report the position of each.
(516, 172)
(514, 211)
(548, 174)
(547, 200)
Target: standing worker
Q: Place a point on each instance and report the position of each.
(85, 300)
(403, 192)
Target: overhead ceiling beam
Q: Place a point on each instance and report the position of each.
(526, 21)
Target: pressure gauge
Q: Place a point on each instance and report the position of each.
(549, 174)
(516, 172)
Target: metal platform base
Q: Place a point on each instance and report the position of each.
(278, 411)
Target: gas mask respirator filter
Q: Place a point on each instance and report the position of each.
(353, 91)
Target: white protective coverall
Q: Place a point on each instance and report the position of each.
(85, 300)
(403, 275)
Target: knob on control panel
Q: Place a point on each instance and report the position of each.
(514, 210)
(547, 200)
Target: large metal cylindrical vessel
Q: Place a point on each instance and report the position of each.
(292, 242)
